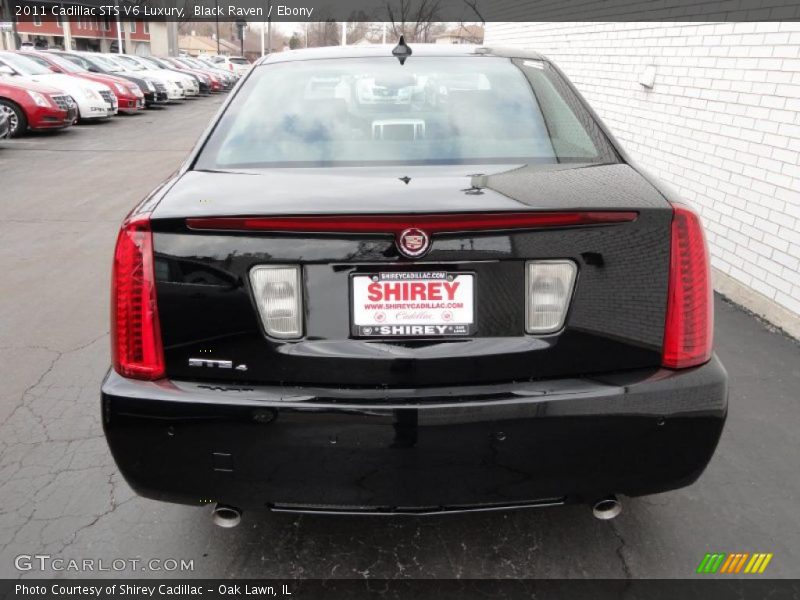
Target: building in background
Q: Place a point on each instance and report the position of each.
(97, 34)
(92, 34)
(464, 34)
(714, 110)
(194, 45)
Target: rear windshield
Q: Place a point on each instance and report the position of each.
(430, 110)
(239, 61)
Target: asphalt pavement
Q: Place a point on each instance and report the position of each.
(62, 197)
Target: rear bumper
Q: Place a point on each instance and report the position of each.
(417, 450)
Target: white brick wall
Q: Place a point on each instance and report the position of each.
(721, 124)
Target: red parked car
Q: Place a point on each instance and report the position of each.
(129, 97)
(215, 83)
(34, 106)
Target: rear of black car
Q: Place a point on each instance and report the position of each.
(410, 287)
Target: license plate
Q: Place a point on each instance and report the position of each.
(413, 304)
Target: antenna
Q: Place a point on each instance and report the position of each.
(401, 51)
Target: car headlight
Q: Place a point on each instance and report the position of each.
(120, 88)
(39, 99)
(90, 94)
(150, 85)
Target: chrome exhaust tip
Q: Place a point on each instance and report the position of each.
(226, 516)
(607, 508)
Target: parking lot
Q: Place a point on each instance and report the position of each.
(62, 197)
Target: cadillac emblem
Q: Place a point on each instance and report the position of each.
(413, 242)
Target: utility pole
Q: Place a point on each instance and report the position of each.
(119, 30)
(67, 33)
(241, 25)
(269, 26)
(216, 3)
(9, 14)
(173, 43)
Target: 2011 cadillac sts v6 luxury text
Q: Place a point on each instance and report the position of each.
(416, 281)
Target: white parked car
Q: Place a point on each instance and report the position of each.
(94, 100)
(238, 65)
(174, 91)
(186, 82)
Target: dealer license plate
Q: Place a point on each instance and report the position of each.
(413, 304)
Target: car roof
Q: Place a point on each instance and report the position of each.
(376, 50)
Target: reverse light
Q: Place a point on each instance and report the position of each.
(688, 333)
(136, 347)
(278, 294)
(548, 290)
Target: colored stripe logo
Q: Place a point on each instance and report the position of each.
(734, 563)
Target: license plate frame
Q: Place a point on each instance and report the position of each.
(463, 323)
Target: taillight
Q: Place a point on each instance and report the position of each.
(688, 334)
(136, 346)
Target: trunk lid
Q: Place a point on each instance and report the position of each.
(207, 310)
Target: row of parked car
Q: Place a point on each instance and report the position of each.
(51, 89)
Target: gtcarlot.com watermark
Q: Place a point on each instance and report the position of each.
(56, 564)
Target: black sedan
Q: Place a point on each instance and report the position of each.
(418, 280)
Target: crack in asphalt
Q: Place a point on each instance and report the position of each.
(620, 551)
(21, 403)
(59, 355)
(113, 506)
(21, 472)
